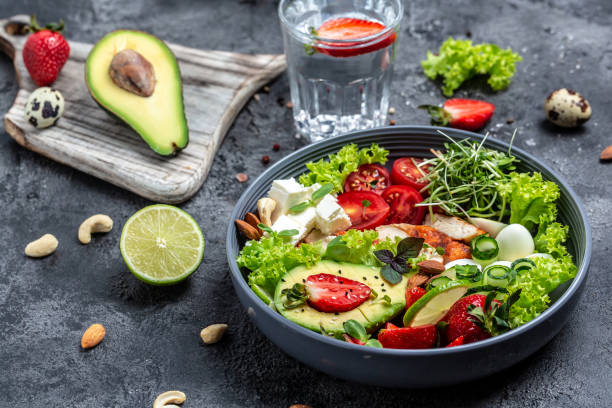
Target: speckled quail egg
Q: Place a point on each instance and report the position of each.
(567, 108)
(44, 107)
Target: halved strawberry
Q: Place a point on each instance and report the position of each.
(331, 293)
(351, 29)
(413, 294)
(457, 342)
(420, 337)
(467, 114)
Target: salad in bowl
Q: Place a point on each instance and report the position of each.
(415, 253)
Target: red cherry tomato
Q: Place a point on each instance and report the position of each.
(368, 177)
(362, 215)
(402, 199)
(406, 173)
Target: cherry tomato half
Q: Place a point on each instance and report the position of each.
(402, 199)
(363, 215)
(368, 177)
(406, 173)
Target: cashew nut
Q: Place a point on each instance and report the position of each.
(168, 399)
(43, 246)
(265, 206)
(213, 333)
(95, 223)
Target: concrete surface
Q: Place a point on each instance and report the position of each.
(152, 343)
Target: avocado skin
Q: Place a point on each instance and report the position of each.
(182, 137)
(370, 315)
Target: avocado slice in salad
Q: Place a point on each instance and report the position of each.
(370, 314)
(433, 305)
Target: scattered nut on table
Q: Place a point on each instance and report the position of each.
(93, 336)
(43, 246)
(168, 399)
(213, 333)
(567, 108)
(95, 223)
(606, 154)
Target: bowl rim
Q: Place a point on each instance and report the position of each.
(411, 129)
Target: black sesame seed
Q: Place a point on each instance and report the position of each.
(303, 280)
(375, 277)
(302, 310)
(351, 290)
(282, 280)
(340, 272)
(341, 282)
(384, 290)
(336, 313)
(382, 284)
(345, 293)
(364, 278)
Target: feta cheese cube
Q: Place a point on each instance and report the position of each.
(285, 222)
(287, 193)
(307, 218)
(331, 218)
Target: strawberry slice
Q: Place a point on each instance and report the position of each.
(467, 114)
(457, 342)
(421, 337)
(331, 293)
(351, 29)
(390, 326)
(413, 294)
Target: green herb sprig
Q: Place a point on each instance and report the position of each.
(494, 317)
(396, 265)
(283, 233)
(355, 329)
(316, 196)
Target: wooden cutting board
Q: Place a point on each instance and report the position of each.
(216, 85)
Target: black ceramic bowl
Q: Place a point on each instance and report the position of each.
(411, 368)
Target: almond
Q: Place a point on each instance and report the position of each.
(253, 221)
(93, 336)
(431, 267)
(248, 230)
(417, 280)
(606, 154)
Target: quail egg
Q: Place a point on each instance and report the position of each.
(567, 108)
(44, 107)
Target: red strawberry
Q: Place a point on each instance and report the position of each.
(351, 29)
(420, 337)
(331, 293)
(413, 294)
(45, 52)
(390, 326)
(353, 340)
(461, 322)
(457, 342)
(467, 114)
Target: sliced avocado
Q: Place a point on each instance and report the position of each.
(370, 314)
(158, 118)
(434, 304)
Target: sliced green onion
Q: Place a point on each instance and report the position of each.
(523, 264)
(484, 248)
(441, 280)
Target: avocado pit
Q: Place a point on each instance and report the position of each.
(131, 71)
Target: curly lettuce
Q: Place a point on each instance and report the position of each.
(459, 60)
(532, 199)
(339, 165)
(272, 257)
(358, 247)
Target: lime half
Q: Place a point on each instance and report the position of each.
(162, 244)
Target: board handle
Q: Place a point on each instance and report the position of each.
(13, 34)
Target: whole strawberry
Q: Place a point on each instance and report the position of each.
(45, 52)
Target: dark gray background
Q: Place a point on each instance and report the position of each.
(152, 343)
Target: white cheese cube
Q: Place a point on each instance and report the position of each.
(287, 193)
(284, 222)
(331, 218)
(307, 218)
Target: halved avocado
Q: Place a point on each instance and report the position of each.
(371, 314)
(158, 118)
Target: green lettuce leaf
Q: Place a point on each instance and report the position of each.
(536, 284)
(358, 247)
(271, 257)
(339, 165)
(532, 200)
(459, 60)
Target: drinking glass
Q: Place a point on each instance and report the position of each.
(339, 85)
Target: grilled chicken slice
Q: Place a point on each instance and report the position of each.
(452, 249)
(454, 227)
